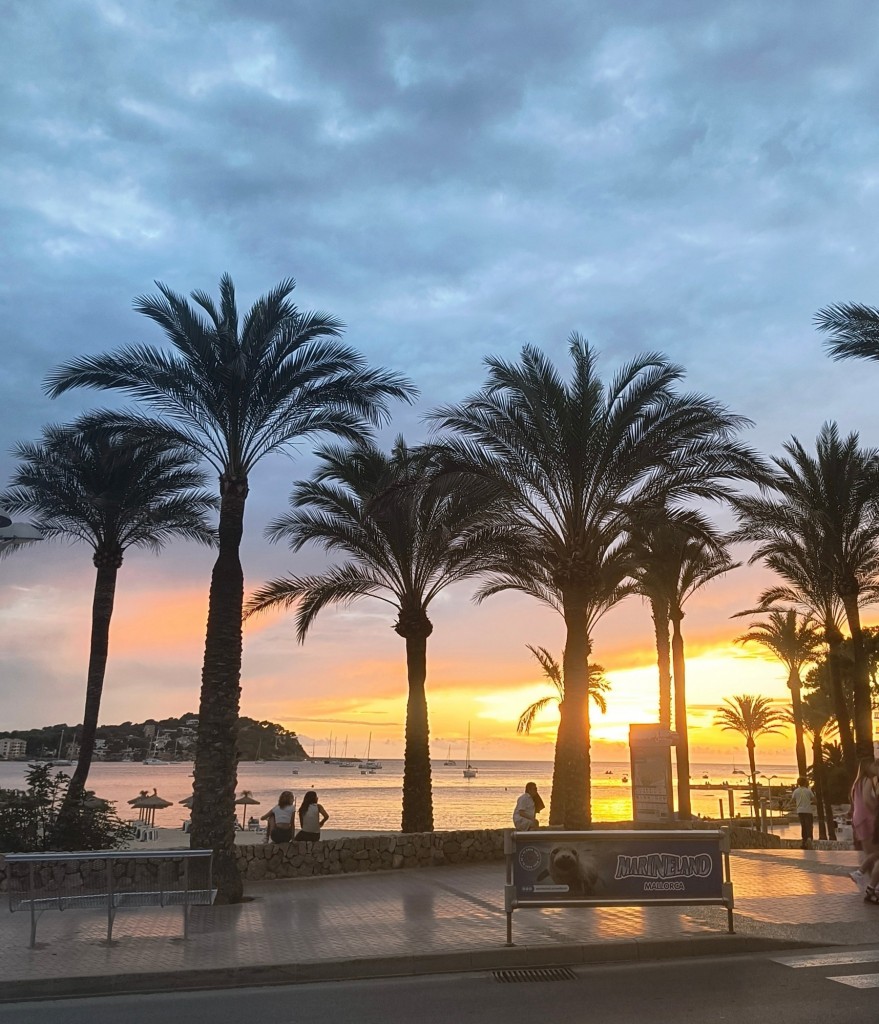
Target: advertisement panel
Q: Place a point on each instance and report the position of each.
(650, 752)
(625, 867)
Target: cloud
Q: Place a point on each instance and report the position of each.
(451, 180)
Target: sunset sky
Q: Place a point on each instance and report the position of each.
(450, 180)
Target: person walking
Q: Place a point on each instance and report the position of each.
(804, 803)
(311, 819)
(528, 806)
(279, 827)
(865, 825)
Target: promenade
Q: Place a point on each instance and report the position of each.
(423, 921)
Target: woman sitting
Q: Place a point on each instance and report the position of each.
(311, 818)
(280, 819)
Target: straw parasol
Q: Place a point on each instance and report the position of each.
(187, 801)
(138, 802)
(148, 805)
(94, 803)
(245, 800)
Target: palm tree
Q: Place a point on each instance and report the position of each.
(578, 459)
(677, 553)
(599, 685)
(853, 330)
(97, 483)
(795, 640)
(795, 549)
(830, 501)
(819, 722)
(752, 717)
(409, 531)
(235, 391)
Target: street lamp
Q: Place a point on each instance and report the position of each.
(14, 535)
(755, 797)
(769, 779)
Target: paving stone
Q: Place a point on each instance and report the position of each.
(453, 912)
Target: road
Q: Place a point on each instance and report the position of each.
(780, 988)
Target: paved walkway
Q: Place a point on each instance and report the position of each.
(419, 921)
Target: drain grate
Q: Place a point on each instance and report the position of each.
(536, 974)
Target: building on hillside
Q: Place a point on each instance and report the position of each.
(10, 749)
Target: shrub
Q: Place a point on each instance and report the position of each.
(29, 819)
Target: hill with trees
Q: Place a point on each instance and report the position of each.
(170, 739)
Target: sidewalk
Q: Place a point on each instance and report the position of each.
(422, 921)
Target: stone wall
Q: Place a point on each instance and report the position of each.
(80, 877)
(368, 853)
(380, 853)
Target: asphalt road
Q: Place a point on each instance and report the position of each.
(702, 991)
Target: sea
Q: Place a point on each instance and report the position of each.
(372, 802)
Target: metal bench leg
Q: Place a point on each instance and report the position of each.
(111, 910)
(185, 900)
(34, 915)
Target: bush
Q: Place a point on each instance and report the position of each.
(29, 819)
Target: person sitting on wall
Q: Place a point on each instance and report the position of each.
(528, 806)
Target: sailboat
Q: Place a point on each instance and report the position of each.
(448, 761)
(345, 763)
(59, 761)
(152, 754)
(469, 772)
(368, 764)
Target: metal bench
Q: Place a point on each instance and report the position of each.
(109, 880)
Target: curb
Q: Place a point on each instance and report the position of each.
(451, 962)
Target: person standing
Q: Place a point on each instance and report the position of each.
(528, 806)
(279, 827)
(311, 819)
(804, 803)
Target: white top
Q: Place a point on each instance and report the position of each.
(804, 800)
(310, 819)
(525, 814)
(283, 815)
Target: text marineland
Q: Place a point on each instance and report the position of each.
(664, 865)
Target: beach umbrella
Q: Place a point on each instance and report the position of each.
(138, 802)
(245, 800)
(149, 805)
(94, 803)
(187, 801)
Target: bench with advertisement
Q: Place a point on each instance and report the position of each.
(109, 881)
(548, 868)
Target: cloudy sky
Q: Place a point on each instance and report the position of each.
(451, 180)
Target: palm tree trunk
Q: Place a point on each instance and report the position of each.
(863, 713)
(659, 611)
(571, 803)
(216, 769)
(794, 685)
(102, 611)
(417, 791)
(683, 744)
(840, 705)
(755, 793)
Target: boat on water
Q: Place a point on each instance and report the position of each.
(153, 760)
(449, 761)
(367, 763)
(469, 771)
